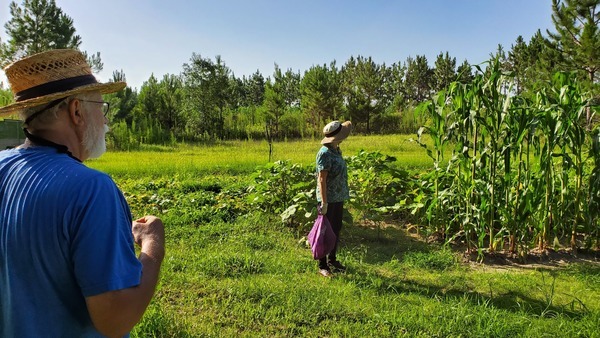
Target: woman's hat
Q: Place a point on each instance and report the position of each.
(52, 75)
(336, 131)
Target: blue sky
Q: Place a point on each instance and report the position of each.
(158, 37)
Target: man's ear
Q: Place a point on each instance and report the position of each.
(75, 112)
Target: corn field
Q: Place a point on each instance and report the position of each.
(523, 170)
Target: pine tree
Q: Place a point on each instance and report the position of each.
(577, 38)
(418, 79)
(320, 90)
(444, 71)
(364, 90)
(37, 26)
(518, 63)
(464, 72)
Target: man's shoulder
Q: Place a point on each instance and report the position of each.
(50, 164)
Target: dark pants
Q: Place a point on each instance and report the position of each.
(335, 211)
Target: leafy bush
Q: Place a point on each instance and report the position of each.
(376, 187)
(277, 184)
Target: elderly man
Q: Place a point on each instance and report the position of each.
(68, 266)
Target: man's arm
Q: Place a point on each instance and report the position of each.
(115, 313)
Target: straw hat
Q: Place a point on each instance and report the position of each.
(52, 75)
(336, 131)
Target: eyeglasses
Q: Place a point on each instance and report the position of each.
(105, 105)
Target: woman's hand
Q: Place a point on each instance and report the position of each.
(323, 208)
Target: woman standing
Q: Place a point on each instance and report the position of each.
(332, 186)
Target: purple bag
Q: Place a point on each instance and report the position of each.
(321, 237)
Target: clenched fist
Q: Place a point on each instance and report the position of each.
(149, 234)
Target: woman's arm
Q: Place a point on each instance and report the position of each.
(322, 181)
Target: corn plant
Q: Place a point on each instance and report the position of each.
(593, 193)
(491, 189)
(438, 131)
(520, 197)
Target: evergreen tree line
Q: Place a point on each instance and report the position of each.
(206, 101)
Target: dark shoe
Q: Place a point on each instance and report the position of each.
(325, 272)
(337, 266)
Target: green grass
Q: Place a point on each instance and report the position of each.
(235, 157)
(252, 277)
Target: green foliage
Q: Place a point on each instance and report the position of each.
(444, 71)
(273, 109)
(577, 36)
(321, 96)
(37, 26)
(376, 187)
(363, 81)
(184, 202)
(418, 81)
(253, 90)
(247, 276)
(207, 102)
(206, 89)
(6, 96)
(277, 184)
(121, 137)
(517, 171)
(123, 102)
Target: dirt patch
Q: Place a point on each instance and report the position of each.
(502, 260)
(535, 259)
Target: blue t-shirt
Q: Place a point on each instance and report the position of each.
(65, 234)
(337, 175)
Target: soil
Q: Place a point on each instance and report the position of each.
(535, 259)
(502, 260)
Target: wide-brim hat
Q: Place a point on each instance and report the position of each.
(48, 76)
(336, 131)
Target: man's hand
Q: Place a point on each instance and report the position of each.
(323, 208)
(114, 313)
(149, 234)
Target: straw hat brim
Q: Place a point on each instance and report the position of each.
(342, 135)
(103, 88)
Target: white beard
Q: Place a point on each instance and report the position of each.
(94, 141)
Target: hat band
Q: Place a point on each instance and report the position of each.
(55, 87)
(334, 132)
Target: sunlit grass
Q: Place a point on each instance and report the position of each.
(253, 277)
(235, 157)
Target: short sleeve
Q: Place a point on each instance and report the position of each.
(102, 246)
(323, 160)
